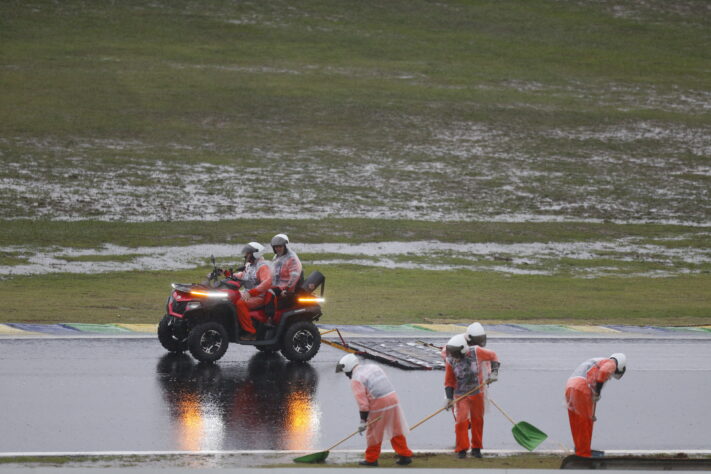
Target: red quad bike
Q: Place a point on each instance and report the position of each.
(201, 318)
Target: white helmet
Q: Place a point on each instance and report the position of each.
(621, 360)
(255, 248)
(280, 239)
(476, 336)
(347, 363)
(457, 345)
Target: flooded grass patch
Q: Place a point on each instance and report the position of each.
(580, 153)
(577, 250)
(595, 180)
(531, 133)
(95, 234)
(13, 258)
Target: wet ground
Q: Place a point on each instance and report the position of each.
(128, 394)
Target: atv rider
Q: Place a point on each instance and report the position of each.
(285, 265)
(257, 275)
(256, 280)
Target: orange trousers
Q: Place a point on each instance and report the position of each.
(580, 414)
(245, 321)
(469, 411)
(399, 444)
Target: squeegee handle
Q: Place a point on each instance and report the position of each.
(444, 408)
(354, 433)
(502, 411)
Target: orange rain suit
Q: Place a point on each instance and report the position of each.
(579, 391)
(463, 375)
(375, 394)
(257, 280)
(286, 270)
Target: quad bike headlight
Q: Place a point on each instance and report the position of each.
(311, 299)
(209, 294)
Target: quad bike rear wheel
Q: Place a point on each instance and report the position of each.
(208, 342)
(167, 337)
(301, 341)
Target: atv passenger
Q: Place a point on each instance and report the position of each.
(257, 279)
(286, 265)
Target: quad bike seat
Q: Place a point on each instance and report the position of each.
(312, 283)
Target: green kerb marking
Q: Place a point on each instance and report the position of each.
(546, 328)
(396, 327)
(419, 328)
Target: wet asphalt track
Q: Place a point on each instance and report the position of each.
(128, 394)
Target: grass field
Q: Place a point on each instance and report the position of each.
(555, 154)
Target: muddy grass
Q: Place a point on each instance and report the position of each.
(445, 461)
(434, 461)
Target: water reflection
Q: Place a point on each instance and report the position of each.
(266, 403)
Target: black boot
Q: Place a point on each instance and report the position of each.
(476, 452)
(366, 463)
(404, 460)
(462, 454)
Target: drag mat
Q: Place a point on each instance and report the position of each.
(407, 355)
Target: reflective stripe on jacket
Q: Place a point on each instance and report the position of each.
(369, 383)
(257, 275)
(467, 373)
(594, 371)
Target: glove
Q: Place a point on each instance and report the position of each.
(448, 404)
(228, 273)
(240, 268)
(596, 397)
(363, 425)
(493, 377)
(253, 292)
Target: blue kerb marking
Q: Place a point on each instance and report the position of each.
(97, 328)
(506, 328)
(641, 329)
(45, 328)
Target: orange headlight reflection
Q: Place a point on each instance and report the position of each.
(191, 423)
(301, 421)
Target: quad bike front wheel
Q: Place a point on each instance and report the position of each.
(301, 341)
(208, 342)
(167, 335)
